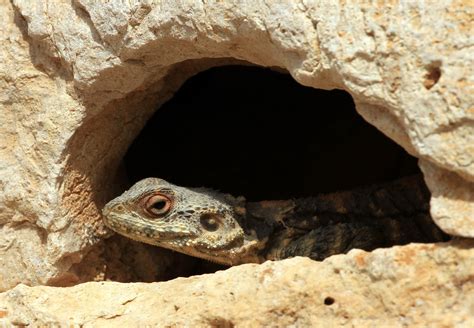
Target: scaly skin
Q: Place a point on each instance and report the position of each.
(187, 226)
(227, 230)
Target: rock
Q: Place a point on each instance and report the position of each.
(80, 78)
(452, 199)
(402, 286)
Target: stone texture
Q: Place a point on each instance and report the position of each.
(410, 286)
(451, 197)
(79, 79)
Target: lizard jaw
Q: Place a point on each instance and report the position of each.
(238, 248)
(244, 253)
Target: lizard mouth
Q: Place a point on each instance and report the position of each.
(243, 249)
(237, 255)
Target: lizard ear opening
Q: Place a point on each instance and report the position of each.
(210, 222)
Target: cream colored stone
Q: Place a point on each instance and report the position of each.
(410, 286)
(79, 78)
(452, 199)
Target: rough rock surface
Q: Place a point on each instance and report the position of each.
(78, 79)
(410, 286)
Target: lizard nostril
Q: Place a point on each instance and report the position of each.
(210, 222)
(111, 208)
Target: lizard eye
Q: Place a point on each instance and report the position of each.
(158, 205)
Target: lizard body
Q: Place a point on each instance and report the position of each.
(228, 230)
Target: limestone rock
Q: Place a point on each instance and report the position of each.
(408, 286)
(452, 198)
(79, 79)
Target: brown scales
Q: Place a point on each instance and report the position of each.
(228, 230)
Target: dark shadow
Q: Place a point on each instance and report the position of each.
(255, 132)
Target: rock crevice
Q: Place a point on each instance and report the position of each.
(79, 79)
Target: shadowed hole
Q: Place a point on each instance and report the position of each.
(258, 133)
(433, 74)
(329, 300)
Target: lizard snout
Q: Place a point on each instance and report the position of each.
(111, 207)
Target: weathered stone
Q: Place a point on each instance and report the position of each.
(452, 199)
(79, 79)
(408, 286)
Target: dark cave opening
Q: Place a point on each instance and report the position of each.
(258, 133)
(254, 132)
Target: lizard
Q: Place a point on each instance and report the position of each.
(228, 230)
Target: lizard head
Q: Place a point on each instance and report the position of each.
(199, 223)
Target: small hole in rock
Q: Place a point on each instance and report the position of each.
(329, 300)
(432, 75)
